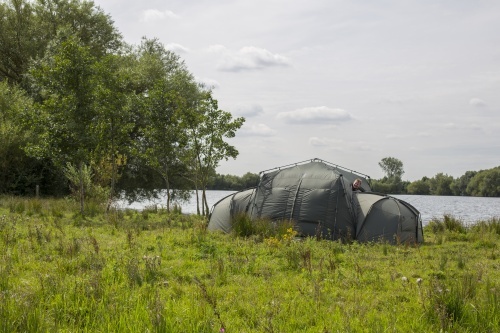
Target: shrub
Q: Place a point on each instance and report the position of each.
(453, 224)
(489, 226)
(448, 223)
(244, 226)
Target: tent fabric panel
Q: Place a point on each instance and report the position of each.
(311, 205)
(363, 202)
(275, 205)
(409, 225)
(381, 223)
(340, 219)
(240, 201)
(391, 221)
(220, 218)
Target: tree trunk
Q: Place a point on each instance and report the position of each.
(204, 201)
(197, 201)
(167, 183)
(82, 191)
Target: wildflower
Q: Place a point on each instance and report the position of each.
(419, 281)
(222, 330)
(404, 279)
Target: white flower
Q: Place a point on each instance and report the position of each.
(404, 279)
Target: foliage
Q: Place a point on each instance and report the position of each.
(392, 182)
(440, 184)
(234, 183)
(485, 183)
(164, 108)
(16, 169)
(207, 132)
(123, 111)
(393, 168)
(63, 273)
(459, 185)
(27, 27)
(421, 187)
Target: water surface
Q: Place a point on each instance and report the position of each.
(467, 209)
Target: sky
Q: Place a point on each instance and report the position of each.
(348, 82)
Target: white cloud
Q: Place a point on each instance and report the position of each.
(248, 110)
(312, 115)
(216, 48)
(249, 58)
(257, 130)
(156, 15)
(177, 48)
(394, 136)
(477, 102)
(323, 142)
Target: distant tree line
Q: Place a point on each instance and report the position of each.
(482, 183)
(234, 183)
(82, 112)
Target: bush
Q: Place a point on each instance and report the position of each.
(244, 226)
(448, 223)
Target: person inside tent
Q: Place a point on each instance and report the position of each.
(356, 186)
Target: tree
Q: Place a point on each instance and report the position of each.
(207, 140)
(28, 27)
(21, 39)
(67, 117)
(486, 183)
(421, 187)
(113, 124)
(393, 168)
(250, 180)
(440, 184)
(17, 170)
(391, 183)
(459, 185)
(164, 103)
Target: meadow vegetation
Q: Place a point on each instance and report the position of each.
(158, 271)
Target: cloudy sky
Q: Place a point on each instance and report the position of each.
(349, 82)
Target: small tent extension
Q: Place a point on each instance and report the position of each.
(318, 197)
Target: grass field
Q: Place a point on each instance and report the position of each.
(153, 271)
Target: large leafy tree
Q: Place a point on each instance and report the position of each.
(392, 167)
(392, 182)
(68, 115)
(164, 94)
(27, 28)
(113, 124)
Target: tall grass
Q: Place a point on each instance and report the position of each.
(126, 271)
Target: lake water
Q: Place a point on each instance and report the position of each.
(467, 209)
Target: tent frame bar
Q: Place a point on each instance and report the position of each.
(317, 160)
